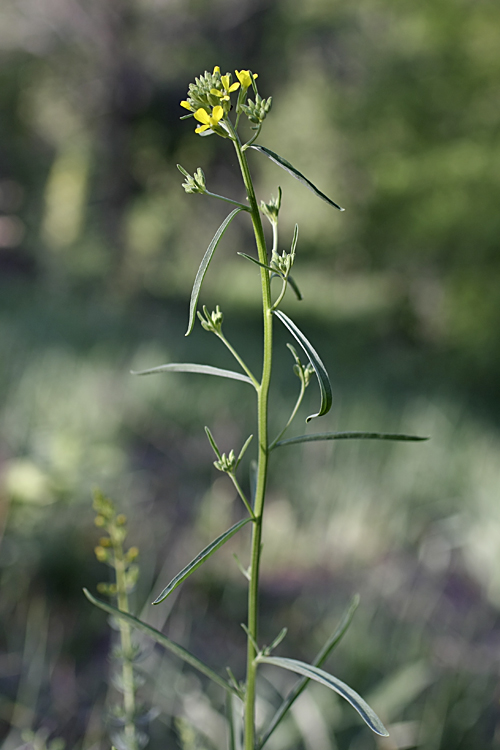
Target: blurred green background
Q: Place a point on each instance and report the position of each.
(392, 109)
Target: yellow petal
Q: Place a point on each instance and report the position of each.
(216, 92)
(233, 87)
(243, 77)
(216, 70)
(186, 105)
(201, 128)
(202, 116)
(225, 81)
(217, 113)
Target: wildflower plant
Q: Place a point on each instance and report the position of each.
(224, 107)
(126, 715)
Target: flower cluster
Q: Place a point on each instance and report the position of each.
(209, 98)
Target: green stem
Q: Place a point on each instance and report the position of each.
(238, 359)
(126, 647)
(292, 416)
(281, 294)
(242, 494)
(253, 138)
(227, 200)
(263, 455)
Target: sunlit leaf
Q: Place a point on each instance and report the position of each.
(319, 367)
(205, 263)
(350, 436)
(319, 675)
(284, 164)
(162, 639)
(199, 369)
(200, 559)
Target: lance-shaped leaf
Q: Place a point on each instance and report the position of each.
(199, 369)
(321, 657)
(318, 675)
(284, 164)
(295, 288)
(258, 263)
(162, 639)
(319, 367)
(204, 266)
(350, 436)
(200, 559)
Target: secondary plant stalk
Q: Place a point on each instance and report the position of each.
(126, 649)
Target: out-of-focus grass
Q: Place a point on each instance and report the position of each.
(413, 527)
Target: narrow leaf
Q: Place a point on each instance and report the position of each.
(200, 559)
(319, 367)
(350, 436)
(212, 442)
(244, 448)
(258, 263)
(162, 639)
(204, 266)
(294, 239)
(320, 659)
(295, 288)
(318, 675)
(284, 164)
(199, 369)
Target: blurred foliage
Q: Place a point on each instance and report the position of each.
(392, 109)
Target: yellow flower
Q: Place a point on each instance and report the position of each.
(208, 121)
(228, 89)
(245, 78)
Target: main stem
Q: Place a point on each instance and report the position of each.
(263, 457)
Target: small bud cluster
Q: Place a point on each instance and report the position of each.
(303, 372)
(226, 463)
(283, 263)
(212, 321)
(195, 183)
(271, 210)
(200, 92)
(257, 110)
